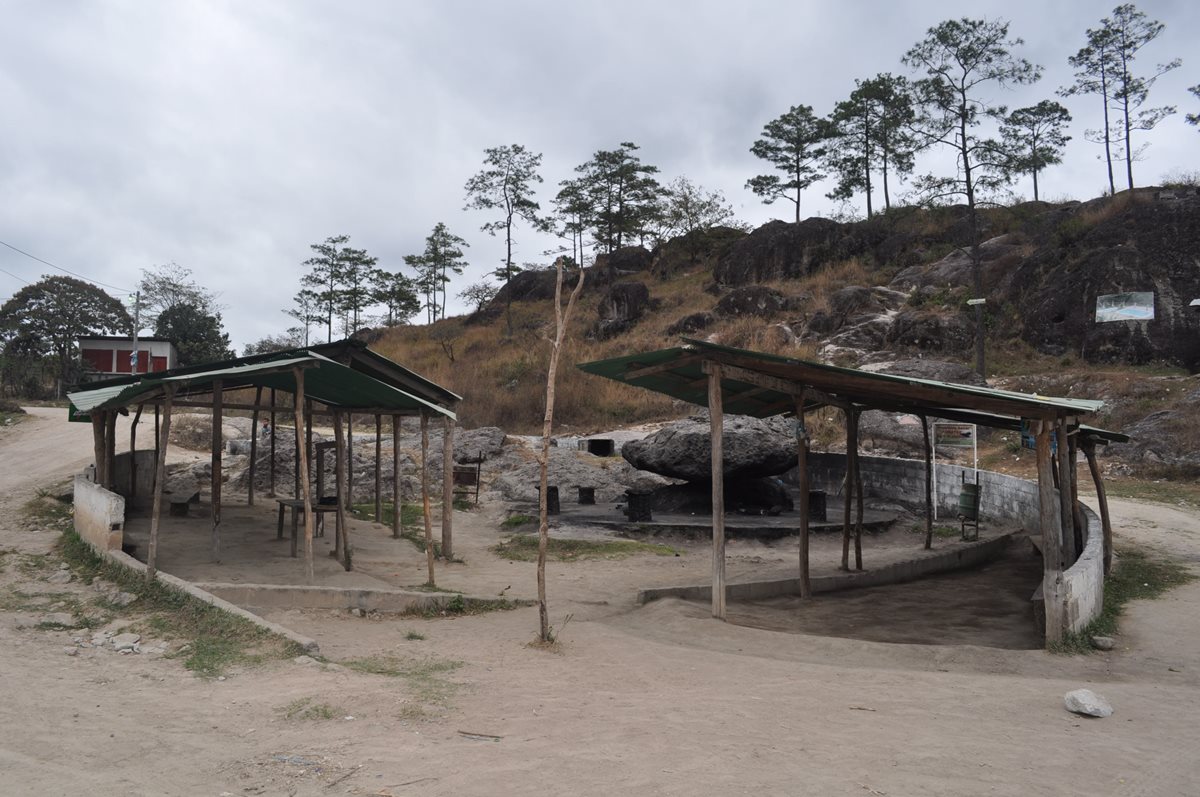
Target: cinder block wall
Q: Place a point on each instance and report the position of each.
(138, 494)
(99, 515)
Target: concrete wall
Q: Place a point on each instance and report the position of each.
(1082, 589)
(99, 515)
(265, 597)
(138, 495)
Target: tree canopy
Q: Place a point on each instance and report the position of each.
(442, 257)
(197, 335)
(622, 195)
(165, 286)
(795, 144)
(1034, 138)
(339, 280)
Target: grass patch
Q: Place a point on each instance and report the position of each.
(1135, 576)
(1159, 491)
(941, 532)
(414, 636)
(217, 640)
(412, 523)
(49, 511)
(462, 605)
(524, 548)
(514, 521)
(305, 709)
(425, 678)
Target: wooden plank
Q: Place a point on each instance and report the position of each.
(425, 497)
(160, 467)
(397, 503)
(137, 416)
(717, 428)
(768, 382)
(302, 473)
(802, 478)
(1049, 518)
(98, 446)
(1064, 495)
(110, 449)
(347, 484)
(637, 370)
(1089, 451)
(858, 490)
(326, 412)
(218, 448)
(928, 482)
(271, 494)
(253, 446)
(847, 494)
(378, 462)
(343, 545)
(447, 489)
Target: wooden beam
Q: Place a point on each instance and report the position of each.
(271, 494)
(1076, 512)
(218, 447)
(425, 497)
(342, 448)
(378, 462)
(160, 467)
(321, 413)
(98, 446)
(308, 432)
(637, 370)
(397, 503)
(1089, 451)
(1064, 494)
(156, 435)
(716, 417)
(132, 449)
(802, 478)
(348, 484)
(447, 489)
(1049, 518)
(928, 482)
(253, 447)
(847, 492)
(768, 382)
(858, 490)
(110, 449)
(301, 473)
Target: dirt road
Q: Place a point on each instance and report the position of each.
(656, 700)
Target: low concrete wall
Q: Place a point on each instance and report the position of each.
(956, 558)
(1083, 583)
(99, 515)
(265, 597)
(138, 493)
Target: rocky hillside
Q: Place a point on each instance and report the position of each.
(873, 293)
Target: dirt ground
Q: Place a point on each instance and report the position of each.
(659, 699)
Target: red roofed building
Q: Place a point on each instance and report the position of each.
(107, 356)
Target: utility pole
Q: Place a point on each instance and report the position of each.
(137, 323)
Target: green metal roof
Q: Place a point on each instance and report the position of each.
(331, 383)
(679, 372)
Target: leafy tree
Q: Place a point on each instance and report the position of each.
(506, 185)
(397, 293)
(306, 310)
(574, 211)
(962, 59)
(1194, 118)
(165, 286)
(1094, 74)
(198, 335)
(293, 338)
(479, 294)
(1034, 137)
(47, 318)
(872, 132)
(339, 278)
(688, 207)
(622, 193)
(443, 255)
(795, 145)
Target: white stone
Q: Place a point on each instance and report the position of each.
(123, 598)
(63, 619)
(1087, 703)
(1103, 642)
(126, 642)
(60, 577)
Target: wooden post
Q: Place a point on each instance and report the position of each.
(110, 449)
(137, 416)
(928, 483)
(397, 505)
(802, 478)
(378, 461)
(348, 482)
(98, 447)
(343, 538)
(425, 495)
(217, 449)
(301, 470)
(716, 416)
(847, 491)
(299, 412)
(858, 489)
(1089, 451)
(271, 494)
(1064, 494)
(1076, 512)
(156, 435)
(160, 467)
(253, 445)
(1049, 517)
(308, 432)
(447, 488)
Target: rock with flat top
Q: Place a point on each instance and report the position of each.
(1103, 642)
(1087, 703)
(126, 642)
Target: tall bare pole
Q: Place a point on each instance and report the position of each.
(302, 472)
(218, 446)
(928, 483)
(1049, 517)
(425, 496)
(447, 488)
(378, 462)
(340, 444)
(561, 319)
(137, 416)
(253, 445)
(716, 420)
(397, 506)
(802, 478)
(272, 492)
(160, 467)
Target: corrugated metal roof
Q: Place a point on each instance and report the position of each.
(679, 372)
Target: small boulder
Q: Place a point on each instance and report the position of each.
(61, 619)
(1103, 643)
(60, 577)
(127, 641)
(691, 323)
(1087, 703)
(756, 300)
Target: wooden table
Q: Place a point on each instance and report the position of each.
(297, 505)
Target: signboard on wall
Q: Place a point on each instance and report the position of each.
(954, 435)
(1138, 306)
(1028, 440)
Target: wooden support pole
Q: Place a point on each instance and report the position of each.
(802, 478)
(154, 486)
(425, 495)
(1089, 451)
(858, 490)
(343, 546)
(716, 415)
(137, 416)
(299, 413)
(348, 483)
(378, 473)
(218, 447)
(1049, 517)
(1064, 494)
(928, 483)
(847, 493)
(1076, 512)
(397, 504)
(301, 471)
(271, 494)
(447, 488)
(110, 449)
(160, 467)
(308, 433)
(253, 447)
(98, 447)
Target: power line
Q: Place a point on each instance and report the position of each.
(14, 276)
(60, 268)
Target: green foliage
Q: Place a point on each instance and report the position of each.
(305, 709)
(1194, 118)
(442, 256)
(618, 194)
(166, 286)
(414, 636)
(688, 208)
(198, 335)
(339, 281)
(794, 144)
(513, 521)
(1034, 137)
(871, 131)
(397, 293)
(524, 548)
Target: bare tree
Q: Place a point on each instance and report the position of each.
(562, 318)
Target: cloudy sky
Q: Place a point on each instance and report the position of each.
(228, 136)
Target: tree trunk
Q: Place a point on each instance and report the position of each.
(425, 496)
(218, 446)
(302, 471)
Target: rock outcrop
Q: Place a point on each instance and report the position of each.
(753, 448)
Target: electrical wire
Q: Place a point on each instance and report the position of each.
(14, 276)
(60, 268)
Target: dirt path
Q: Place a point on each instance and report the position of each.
(656, 700)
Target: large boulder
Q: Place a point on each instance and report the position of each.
(756, 300)
(753, 448)
(621, 307)
(691, 323)
(781, 250)
(535, 284)
(931, 331)
(626, 260)
(697, 250)
(925, 368)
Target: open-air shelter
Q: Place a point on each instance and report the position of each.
(762, 385)
(334, 381)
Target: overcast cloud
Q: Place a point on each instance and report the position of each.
(228, 136)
